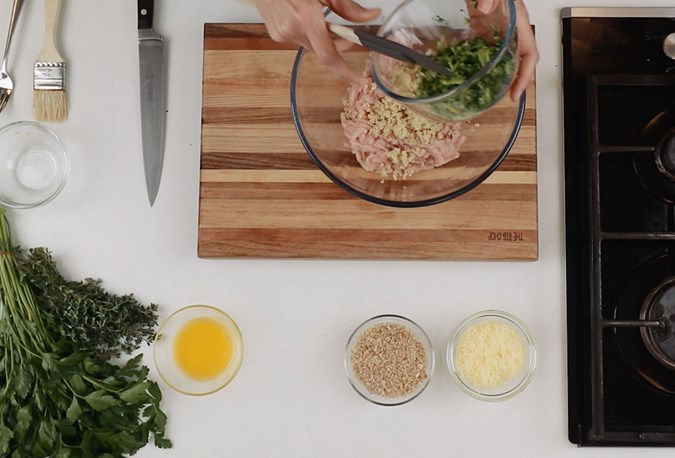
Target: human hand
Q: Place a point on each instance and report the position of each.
(302, 22)
(527, 46)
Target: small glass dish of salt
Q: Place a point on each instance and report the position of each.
(34, 165)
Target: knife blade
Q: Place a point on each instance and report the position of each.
(153, 102)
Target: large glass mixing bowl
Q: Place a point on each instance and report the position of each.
(317, 96)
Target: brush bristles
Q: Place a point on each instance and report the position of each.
(50, 105)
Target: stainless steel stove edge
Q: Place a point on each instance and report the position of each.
(633, 12)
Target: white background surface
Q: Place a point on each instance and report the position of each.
(291, 397)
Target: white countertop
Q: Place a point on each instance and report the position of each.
(291, 397)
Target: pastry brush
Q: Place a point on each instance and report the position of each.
(49, 72)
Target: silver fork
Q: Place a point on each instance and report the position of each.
(6, 84)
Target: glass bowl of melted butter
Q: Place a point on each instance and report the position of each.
(198, 350)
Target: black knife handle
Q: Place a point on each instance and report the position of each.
(145, 13)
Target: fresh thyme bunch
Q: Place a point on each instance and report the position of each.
(98, 322)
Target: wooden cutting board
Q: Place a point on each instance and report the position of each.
(261, 196)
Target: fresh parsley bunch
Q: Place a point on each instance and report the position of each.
(57, 400)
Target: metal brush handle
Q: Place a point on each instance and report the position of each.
(14, 17)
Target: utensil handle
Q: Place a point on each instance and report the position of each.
(146, 12)
(372, 42)
(400, 52)
(344, 32)
(50, 51)
(13, 18)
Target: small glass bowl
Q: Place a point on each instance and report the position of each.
(34, 165)
(421, 25)
(163, 351)
(511, 387)
(415, 330)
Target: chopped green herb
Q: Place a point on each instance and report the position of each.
(465, 59)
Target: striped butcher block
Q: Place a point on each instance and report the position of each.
(261, 196)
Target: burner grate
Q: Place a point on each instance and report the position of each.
(598, 431)
(619, 99)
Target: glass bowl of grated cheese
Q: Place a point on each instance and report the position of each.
(492, 355)
(383, 151)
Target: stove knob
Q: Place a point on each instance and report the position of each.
(669, 46)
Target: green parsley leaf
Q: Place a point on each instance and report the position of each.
(99, 400)
(6, 435)
(74, 411)
(162, 442)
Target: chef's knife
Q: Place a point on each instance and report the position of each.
(153, 103)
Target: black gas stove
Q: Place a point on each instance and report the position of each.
(619, 137)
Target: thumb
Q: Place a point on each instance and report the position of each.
(352, 11)
(486, 6)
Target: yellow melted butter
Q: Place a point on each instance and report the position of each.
(203, 348)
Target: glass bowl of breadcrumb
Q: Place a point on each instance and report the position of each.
(492, 355)
(389, 360)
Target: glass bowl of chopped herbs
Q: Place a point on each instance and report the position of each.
(480, 50)
(389, 360)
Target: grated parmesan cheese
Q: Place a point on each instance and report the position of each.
(489, 354)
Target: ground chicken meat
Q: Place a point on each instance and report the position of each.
(389, 139)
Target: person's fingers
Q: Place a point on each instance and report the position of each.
(528, 63)
(486, 6)
(342, 45)
(324, 48)
(352, 11)
(528, 53)
(281, 25)
(529, 56)
(302, 22)
(286, 19)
